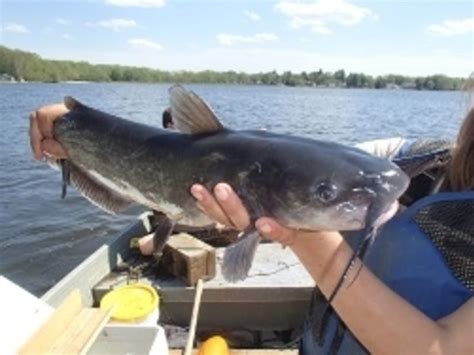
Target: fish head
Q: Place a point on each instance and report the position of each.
(346, 190)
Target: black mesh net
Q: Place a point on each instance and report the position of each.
(450, 225)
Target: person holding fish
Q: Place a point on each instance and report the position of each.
(413, 294)
(167, 120)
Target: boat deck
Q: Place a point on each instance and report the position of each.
(275, 295)
(274, 298)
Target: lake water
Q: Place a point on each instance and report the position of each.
(43, 237)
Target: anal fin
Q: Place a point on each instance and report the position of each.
(238, 257)
(98, 194)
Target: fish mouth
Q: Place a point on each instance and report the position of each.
(367, 206)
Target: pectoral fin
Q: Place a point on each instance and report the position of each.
(66, 176)
(238, 257)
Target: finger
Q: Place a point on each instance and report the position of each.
(232, 205)
(208, 204)
(35, 137)
(53, 148)
(46, 115)
(271, 229)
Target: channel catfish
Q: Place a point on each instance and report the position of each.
(303, 183)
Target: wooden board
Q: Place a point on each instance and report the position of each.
(70, 330)
(189, 258)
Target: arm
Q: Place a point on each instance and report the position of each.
(383, 321)
(384, 148)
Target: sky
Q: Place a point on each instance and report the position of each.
(375, 37)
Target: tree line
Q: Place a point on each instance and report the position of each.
(28, 66)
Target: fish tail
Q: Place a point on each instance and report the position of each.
(238, 257)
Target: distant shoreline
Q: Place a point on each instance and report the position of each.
(17, 65)
(82, 82)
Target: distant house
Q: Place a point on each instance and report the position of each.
(392, 86)
(6, 78)
(409, 85)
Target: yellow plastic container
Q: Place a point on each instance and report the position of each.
(133, 303)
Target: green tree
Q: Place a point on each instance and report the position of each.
(31, 67)
(340, 76)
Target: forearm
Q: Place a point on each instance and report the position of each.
(378, 317)
(383, 321)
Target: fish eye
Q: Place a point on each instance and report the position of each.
(326, 192)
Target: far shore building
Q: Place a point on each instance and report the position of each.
(6, 78)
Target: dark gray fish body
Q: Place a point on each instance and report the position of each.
(303, 183)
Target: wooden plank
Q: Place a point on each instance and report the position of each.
(70, 330)
(189, 258)
(54, 327)
(81, 333)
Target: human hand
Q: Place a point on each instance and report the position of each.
(41, 131)
(225, 207)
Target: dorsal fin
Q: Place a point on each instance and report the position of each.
(190, 113)
(71, 103)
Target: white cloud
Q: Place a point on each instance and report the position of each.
(227, 39)
(145, 44)
(136, 3)
(304, 40)
(66, 36)
(15, 28)
(253, 16)
(62, 21)
(117, 24)
(450, 28)
(317, 15)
